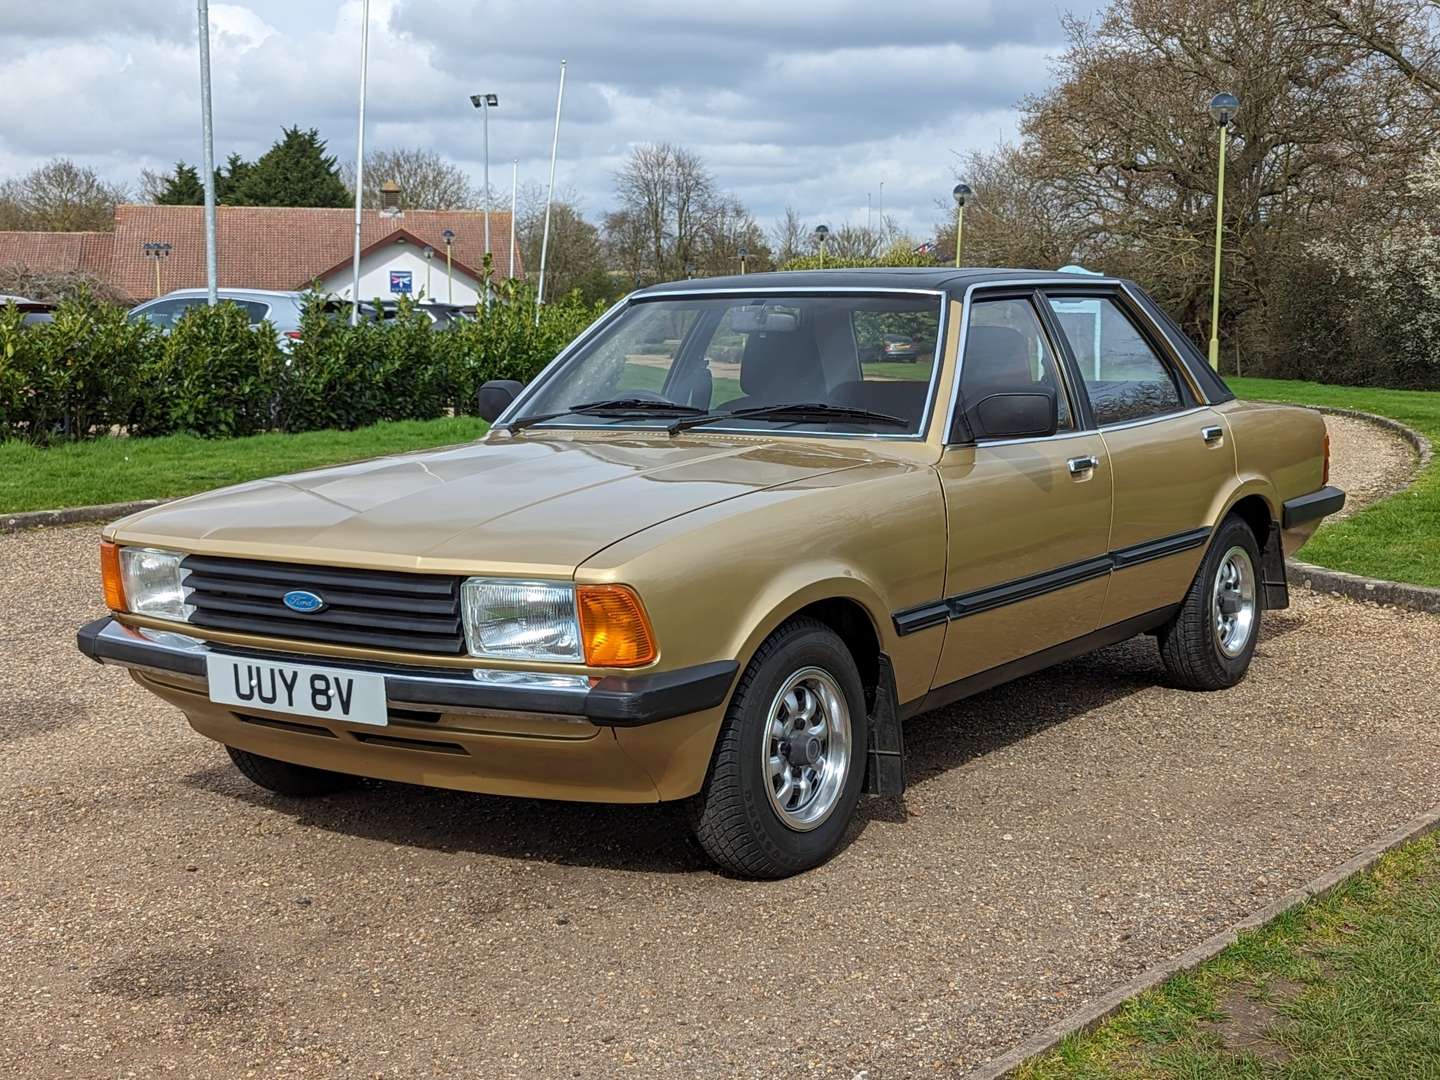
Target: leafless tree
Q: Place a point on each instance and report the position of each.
(1117, 161)
(789, 237)
(59, 196)
(427, 181)
(666, 189)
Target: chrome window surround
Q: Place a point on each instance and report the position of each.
(940, 295)
(1039, 283)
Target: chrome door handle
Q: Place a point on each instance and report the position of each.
(1212, 434)
(1079, 465)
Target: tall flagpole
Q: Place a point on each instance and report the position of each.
(207, 134)
(514, 186)
(549, 196)
(360, 160)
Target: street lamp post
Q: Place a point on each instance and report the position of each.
(486, 102)
(961, 192)
(821, 232)
(360, 162)
(1223, 108)
(744, 254)
(157, 252)
(449, 235)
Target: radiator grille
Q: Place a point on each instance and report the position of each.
(377, 609)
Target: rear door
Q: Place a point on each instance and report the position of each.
(1168, 452)
(1029, 518)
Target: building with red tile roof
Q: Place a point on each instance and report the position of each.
(261, 247)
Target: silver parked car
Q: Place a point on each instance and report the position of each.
(281, 309)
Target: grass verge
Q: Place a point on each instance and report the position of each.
(1347, 986)
(1397, 539)
(121, 470)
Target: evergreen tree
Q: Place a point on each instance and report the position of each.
(182, 187)
(296, 171)
(227, 181)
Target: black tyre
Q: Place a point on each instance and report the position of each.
(1209, 643)
(283, 778)
(790, 760)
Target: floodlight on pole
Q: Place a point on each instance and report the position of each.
(514, 192)
(486, 102)
(821, 232)
(962, 193)
(1223, 108)
(158, 252)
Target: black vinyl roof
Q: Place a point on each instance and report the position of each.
(939, 278)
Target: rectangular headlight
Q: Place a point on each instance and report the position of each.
(521, 620)
(154, 583)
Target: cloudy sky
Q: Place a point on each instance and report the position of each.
(807, 103)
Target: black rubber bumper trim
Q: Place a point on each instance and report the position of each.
(614, 701)
(1307, 508)
(133, 651)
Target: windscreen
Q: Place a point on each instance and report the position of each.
(741, 360)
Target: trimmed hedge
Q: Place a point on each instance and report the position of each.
(90, 372)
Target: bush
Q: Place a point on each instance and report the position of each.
(74, 377)
(213, 375)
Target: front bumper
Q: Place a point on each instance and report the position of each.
(613, 701)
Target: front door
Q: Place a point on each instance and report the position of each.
(1029, 518)
(1169, 454)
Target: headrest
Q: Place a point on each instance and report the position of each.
(781, 367)
(996, 356)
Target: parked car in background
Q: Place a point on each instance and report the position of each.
(667, 575)
(35, 312)
(281, 309)
(438, 313)
(899, 347)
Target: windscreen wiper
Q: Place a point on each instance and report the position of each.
(616, 406)
(818, 411)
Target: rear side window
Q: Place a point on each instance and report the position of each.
(1125, 378)
(164, 314)
(254, 310)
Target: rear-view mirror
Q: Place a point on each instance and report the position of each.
(1012, 415)
(495, 397)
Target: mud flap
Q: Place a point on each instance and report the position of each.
(885, 756)
(1275, 591)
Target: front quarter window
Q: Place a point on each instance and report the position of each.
(802, 363)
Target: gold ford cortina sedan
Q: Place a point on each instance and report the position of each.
(711, 555)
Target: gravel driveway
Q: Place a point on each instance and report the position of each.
(1062, 833)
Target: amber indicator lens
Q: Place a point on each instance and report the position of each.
(614, 626)
(110, 576)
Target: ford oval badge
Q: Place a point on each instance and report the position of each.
(307, 603)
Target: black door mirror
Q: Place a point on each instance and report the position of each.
(495, 397)
(1031, 413)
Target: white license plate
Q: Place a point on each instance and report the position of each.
(357, 697)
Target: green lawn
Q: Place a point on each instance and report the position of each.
(119, 470)
(1398, 539)
(1345, 987)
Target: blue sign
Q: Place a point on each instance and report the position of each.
(400, 281)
